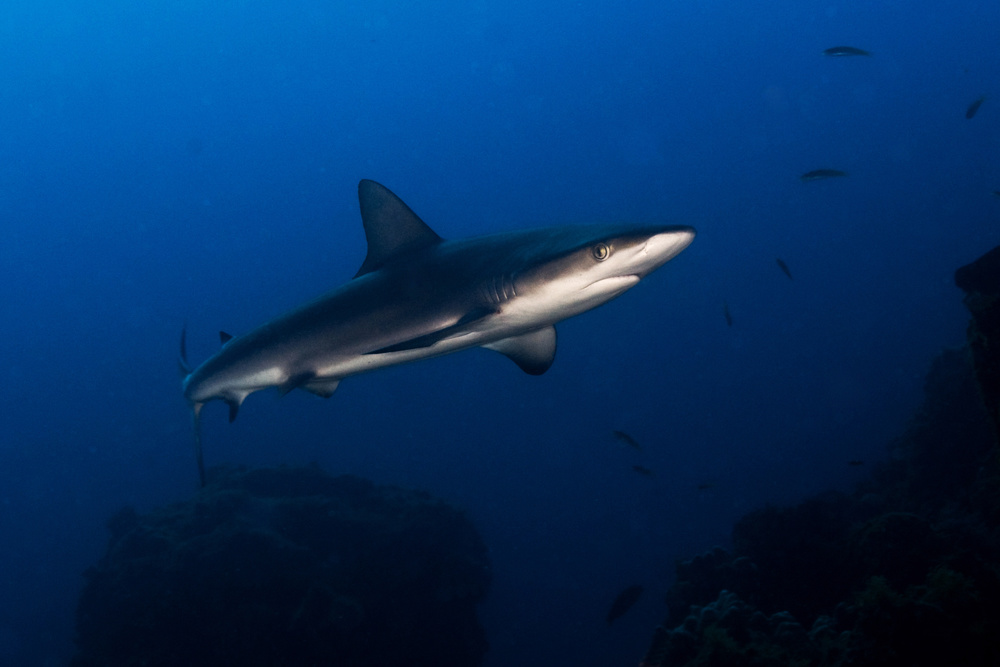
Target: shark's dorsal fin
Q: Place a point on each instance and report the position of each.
(392, 229)
(534, 351)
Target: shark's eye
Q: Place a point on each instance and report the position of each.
(601, 252)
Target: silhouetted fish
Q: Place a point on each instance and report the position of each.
(624, 602)
(820, 174)
(643, 470)
(725, 313)
(855, 462)
(705, 486)
(784, 267)
(627, 439)
(974, 107)
(845, 51)
(996, 193)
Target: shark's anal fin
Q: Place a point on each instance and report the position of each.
(391, 228)
(429, 339)
(534, 351)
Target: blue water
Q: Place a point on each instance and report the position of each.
(163, 162)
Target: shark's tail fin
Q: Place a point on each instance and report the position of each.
(182, 361)
(196, 423)
(185, 370)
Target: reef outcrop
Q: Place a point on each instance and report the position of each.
(980, 281)
(287, 566)
(903, 571)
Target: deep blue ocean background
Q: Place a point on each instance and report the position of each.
(172, 161)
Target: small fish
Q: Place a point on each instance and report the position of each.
(726, 314)
(624, 602)
(996, 193)
(855, 462)
(705, 486)
(821, 174)
(974, 107)
(845, 51)
(784, 268)
(628, 440)
(643, 470)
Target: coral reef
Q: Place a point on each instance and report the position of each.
(903, 571)
(945, 620)
(728, 631)
(287, 567)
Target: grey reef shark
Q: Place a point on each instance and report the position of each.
(419, 296)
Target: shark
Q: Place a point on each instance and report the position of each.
(419, 296)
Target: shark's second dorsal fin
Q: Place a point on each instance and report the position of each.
(392, 229)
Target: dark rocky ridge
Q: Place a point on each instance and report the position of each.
(287, 566)
(903, 571)
(980, 281)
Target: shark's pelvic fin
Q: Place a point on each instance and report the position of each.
(322, 388)
(295, 382)
(534, 351)
(391, 228)
(225, 337)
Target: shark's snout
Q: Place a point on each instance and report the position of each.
(670, 243)
(661, 247)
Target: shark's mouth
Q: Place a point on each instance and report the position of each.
(612, 285)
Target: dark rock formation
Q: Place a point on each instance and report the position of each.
(287, 567)
(904, 571)
(945, 620)
(981, 283)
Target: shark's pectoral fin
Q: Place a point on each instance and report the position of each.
(534, 351)
(429, 339)
(322, 388)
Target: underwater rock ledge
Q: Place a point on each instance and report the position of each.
(980, 281)
(287, 566)
(904, 571)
